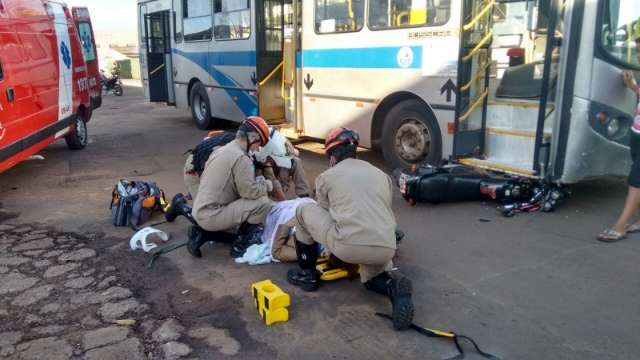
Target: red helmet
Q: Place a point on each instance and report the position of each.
(258, 125)
(339, 136)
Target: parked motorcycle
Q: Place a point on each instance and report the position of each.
(113, 83)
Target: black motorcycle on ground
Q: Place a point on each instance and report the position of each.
(113, 83)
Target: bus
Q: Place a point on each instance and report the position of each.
(488, 83)
(310, 66)
(45, 77)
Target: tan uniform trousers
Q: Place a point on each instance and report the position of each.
(191, 179)
(229, 217)
(280, 177)
(313, 223)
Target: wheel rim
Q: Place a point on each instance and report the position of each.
(199, 108)
(81, 130)
(412, 141)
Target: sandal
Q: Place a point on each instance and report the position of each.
(610, 235)
(633, 228)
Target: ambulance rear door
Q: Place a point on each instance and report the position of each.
(87, 39)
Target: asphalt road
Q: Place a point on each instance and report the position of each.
(536, 286)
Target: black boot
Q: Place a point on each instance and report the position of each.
(305, 277)
(399, 292)
(179, 206)
(248, 234)
(198, 237)
(238, 247)
(196, 240)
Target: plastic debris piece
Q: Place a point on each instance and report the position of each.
(139, 239)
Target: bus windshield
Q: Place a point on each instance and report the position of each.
(620, 33)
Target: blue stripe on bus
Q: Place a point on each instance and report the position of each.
(364, 58)
(224, 58)
(379, 57)
(247, 103)
(233, 58)
(374, 57)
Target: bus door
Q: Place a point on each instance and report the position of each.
(552, 30)
(272, 59)
(504, 121)
(473, 78)
(158, 46)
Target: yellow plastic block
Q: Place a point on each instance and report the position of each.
(274, 316)
(271, 302)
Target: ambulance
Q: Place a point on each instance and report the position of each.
(49, 79)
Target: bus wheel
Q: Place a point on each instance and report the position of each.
(77, 139)
(411, 136)
(200, 106)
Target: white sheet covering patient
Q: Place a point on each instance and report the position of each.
(281, 213)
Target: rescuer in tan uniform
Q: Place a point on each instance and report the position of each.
(354, 221)
(230, 196)
(277, 161)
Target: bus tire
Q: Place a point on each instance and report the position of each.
(411, 136)
(77, 139)
(200, 107)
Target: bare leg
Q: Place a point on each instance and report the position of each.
(631, 205)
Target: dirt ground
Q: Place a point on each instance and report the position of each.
(536, 286)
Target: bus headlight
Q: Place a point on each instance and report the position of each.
(613, 128)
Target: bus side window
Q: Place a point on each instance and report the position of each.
(390, 14)
(177, 27)
(1, 71)
(339, 16)
(232, 19)
(196, 20)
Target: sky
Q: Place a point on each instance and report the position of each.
(110, 16)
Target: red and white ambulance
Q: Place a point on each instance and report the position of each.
(46, 86)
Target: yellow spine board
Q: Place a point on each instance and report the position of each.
(331, 274)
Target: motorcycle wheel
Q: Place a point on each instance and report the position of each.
(117, 90)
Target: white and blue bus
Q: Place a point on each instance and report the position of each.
(491, 83)
(331, 63)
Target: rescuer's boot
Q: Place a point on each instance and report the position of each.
(196, 240)
(179, 206)
(399, 292)
(248, 234)
(306, 276)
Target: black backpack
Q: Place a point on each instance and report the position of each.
(133, 202)
(202, 151)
